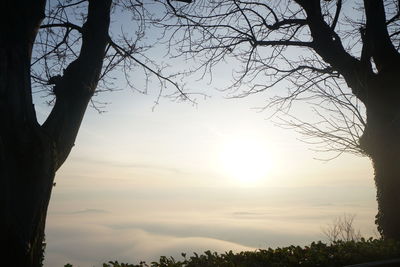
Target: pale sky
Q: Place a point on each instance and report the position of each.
(142, 183)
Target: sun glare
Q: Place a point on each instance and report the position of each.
(246, 159)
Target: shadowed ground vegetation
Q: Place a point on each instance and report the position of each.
(338, 253)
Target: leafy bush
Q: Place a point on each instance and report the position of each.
(338, 253)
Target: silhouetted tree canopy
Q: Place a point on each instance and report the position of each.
(342, 57)
(67, 51)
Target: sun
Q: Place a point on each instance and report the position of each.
(246, 159)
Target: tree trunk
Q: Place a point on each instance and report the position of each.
(381, 143)
(386, 162)
(387, 180)
(27, 179)
(31, 153)
(26, 155)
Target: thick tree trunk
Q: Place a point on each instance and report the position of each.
(381, 142)
(26, 156)
(387, 180)
(27, 180)
(386, 163)
(30, 153)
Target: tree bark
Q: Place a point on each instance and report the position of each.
(378, 90)
(380, 141)
(387, 174)
(27, 174)
(31, 153)
(26, 166)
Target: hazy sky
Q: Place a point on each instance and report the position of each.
(141, 183)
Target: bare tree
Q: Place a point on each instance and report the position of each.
(342, 56)
(62, 49)
(342, 228)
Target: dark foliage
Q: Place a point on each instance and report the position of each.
(339, 253)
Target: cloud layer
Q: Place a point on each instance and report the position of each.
(88, 230)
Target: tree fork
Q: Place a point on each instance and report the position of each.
(30, 154)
